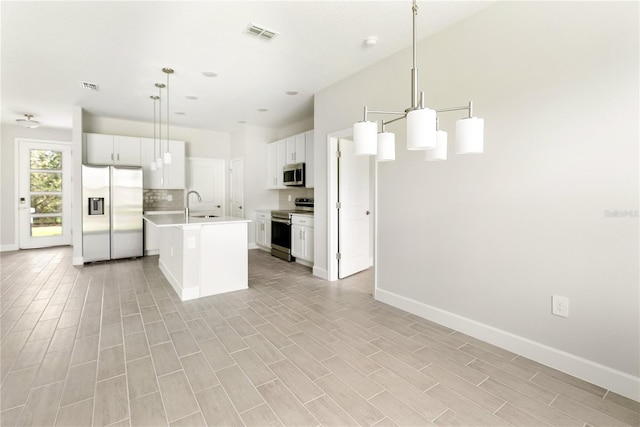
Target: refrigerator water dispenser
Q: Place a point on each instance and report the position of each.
(96, 205)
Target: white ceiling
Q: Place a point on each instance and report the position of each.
(49, 47)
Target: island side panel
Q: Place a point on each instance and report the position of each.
(191, 241)
(171, 257)
(224, 264)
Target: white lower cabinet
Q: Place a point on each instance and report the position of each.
(263, 229)
(302, 238)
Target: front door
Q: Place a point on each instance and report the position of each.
(354, 218)
(44, 194)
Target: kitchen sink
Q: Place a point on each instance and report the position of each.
(204, 216)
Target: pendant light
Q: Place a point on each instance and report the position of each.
(167, 154)
(440, 150)
(154, 165)
(159, 159)
(386, 146)
(422, 130)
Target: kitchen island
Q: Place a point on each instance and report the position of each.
(202, 255)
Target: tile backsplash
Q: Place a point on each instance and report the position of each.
(158, 199)
(283, 196)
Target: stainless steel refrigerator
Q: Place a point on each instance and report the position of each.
(111, 212)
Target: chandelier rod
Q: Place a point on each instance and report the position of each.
(414, 70)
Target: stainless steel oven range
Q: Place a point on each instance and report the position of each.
(281, 228)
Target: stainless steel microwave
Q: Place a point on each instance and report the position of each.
(293, 175)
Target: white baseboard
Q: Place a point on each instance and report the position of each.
(8, 248)
(185, 294)
(601, 375)
(77, 260)
(320, 272)
(253, 245)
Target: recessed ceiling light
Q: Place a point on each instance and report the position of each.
(291, 92)
(191, 97)
(371, 41)
(180, 113)
(263, 110)
(209, 74)
(242, 122)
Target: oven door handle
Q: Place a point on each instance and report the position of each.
(281, 221)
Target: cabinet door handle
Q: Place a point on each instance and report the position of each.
(118, 156)
(111, 156)
(217, 206)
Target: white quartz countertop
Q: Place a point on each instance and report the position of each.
(177, 220)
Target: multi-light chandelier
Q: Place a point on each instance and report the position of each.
(166, 158)
(423, 132)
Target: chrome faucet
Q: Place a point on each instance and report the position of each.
(186, 209)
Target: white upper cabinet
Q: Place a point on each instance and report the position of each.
(281, 161)
(112, 150)
(294, 149)
(171, 176)
(272, 169)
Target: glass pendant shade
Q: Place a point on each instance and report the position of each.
(365, 138)
(421, 129)
(160, 162)
(386, 147)
(167, 158)
(440, 152)
(154, 166)
(469, 135)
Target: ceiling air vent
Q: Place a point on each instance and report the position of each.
(90, 86)
(261, 32)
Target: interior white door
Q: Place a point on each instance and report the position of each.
(206, 176)
(354, 217)
(237, 188)
(44, 194)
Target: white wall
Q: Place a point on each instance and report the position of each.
(250, 143)
(295, 128)
(8, 176)
(200, 143)
(487, 239)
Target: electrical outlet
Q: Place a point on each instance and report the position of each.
(289, 197)
(560, 306)
(169, 198)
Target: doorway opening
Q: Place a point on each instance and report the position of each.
(351, 213)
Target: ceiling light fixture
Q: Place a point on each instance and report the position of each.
(371, 41)
(28, 123)
(191, 97)
(167, 154)
(209, 74)
(422, 128)
(159, 159)
(154, 165)
(262, 110)
(291, 92)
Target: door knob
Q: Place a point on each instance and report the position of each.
(367, 212)
(217, 206)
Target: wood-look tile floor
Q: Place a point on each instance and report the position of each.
(111, 344)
